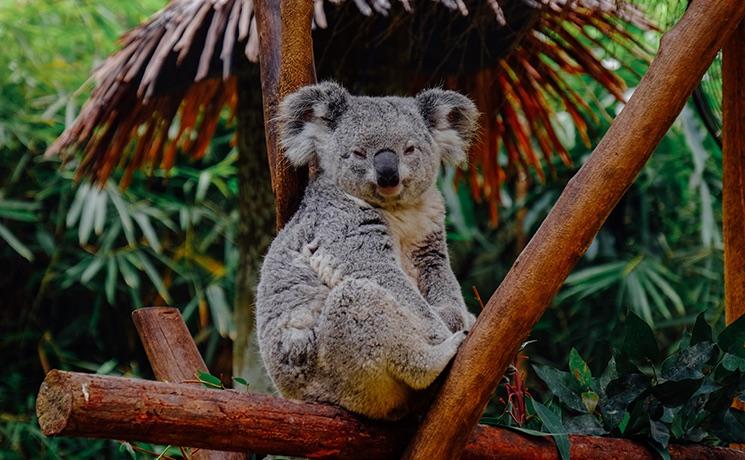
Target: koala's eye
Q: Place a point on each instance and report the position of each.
(409, 150)
(359, 154)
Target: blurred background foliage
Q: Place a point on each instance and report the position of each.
(77, 259)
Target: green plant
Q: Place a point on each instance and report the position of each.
(683, 397)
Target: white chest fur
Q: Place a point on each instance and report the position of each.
(410, 225)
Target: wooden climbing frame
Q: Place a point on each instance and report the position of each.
(176, 413)
(180, 411)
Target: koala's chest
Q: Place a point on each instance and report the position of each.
(409, 229)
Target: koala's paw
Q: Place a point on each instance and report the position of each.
(329, 269)
(468, 321)
(297, 348)
(456, 319)
(453, 343)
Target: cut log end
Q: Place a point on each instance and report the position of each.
(54, 403)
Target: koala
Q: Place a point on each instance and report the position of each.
(357, 304)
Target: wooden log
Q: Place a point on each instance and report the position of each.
(172, 353)
(174, 357)
(286, 62)
(733, 181)
(733, 165)
(538, 273)
(96, 406)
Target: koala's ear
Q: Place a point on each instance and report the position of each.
(307, 116)
(452, 118)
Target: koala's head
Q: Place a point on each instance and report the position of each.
(384, 150)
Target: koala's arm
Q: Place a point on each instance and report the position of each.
(438, 284)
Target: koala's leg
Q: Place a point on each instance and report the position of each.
(377, 334)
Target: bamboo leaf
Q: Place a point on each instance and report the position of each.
(15, 243)
(147, 230)
(155, 278)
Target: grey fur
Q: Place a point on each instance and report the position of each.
(357, 304)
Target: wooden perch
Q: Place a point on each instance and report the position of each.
(96, 406)
(733, 181)
(286, 61)
(172, 353)
(540, 270)
(174, 356)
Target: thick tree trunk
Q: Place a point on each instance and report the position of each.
(255, 227)
(75, 404)
(685, 54)
(733, 153)
(286, 61)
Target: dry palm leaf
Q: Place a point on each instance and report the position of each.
(163, 92)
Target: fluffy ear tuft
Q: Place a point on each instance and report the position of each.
(307, 116)
(453, 120)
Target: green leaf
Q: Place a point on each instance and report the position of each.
(111, 272)
(732, 338)
(586, 424)
(619, 394)
(660, 435)
(553, 423)
(701, 331)
(240, 380)
(147, 229)
(608, 375)
(204, 183)
(624, 422)
(121, 209)
(557, 382)
(220, 310)
(209, 380)
(590, 400)
(732, 428)
(15, 243)
(668, 290)
(639, 342)
(107, 367)
(100, 211)
(93, 268)
(579, 369)
(527, 431)
(733, 362)
(85, 226)
(131, 278)
(674, 393)
(688, 363)
(77, 205)
(155, 278)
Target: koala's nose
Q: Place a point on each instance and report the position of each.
(385, 163)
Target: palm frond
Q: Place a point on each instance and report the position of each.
(162, 93)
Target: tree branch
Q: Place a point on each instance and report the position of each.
(733, 165)
(96, 406)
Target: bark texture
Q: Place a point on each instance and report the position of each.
(173, 355)
(286, 62)
(733, 158)
(96, 406)
(685, 54)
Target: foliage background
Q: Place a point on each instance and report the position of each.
(76, 260)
